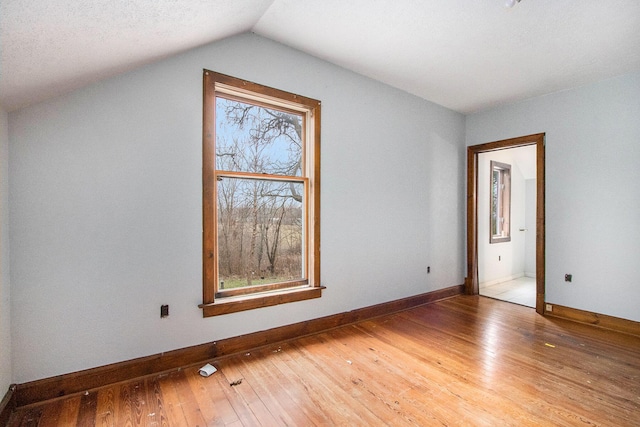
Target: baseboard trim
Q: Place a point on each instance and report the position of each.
(600, 320)
(7, 405)
(67, 384)
(502, 280)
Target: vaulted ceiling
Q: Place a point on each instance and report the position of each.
(466, 55)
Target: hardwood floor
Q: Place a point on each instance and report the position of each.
(462, 361)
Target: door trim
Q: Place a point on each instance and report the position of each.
(471, 281)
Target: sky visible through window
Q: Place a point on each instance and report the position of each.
(260, 220)
(255, 139)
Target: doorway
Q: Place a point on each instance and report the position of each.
(536, 142)
(506, 224)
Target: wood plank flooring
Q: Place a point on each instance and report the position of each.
(463, 361)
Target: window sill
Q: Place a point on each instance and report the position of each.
(500, 240)
(263, 299)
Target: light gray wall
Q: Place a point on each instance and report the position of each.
(6, 372)
(531, 227)
(592, 196)
(106, 206)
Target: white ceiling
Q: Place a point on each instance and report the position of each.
(466, 55)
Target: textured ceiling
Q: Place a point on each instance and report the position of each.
(465, 55)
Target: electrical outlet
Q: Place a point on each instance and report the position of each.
(164, 310)
(568, 277)
(428, 269)
(548, 308)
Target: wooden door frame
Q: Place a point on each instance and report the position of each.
(471, 281)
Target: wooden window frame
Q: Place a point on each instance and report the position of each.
(217, 301)
(504, 203)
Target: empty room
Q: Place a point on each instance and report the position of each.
(280, 212)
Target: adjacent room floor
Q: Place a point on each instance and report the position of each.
(520, 291)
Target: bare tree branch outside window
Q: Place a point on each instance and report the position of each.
(260, 221)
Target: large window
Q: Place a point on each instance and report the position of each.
(261, 196)
(500, 203)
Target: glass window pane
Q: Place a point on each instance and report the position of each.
(251, 138)
(495, 194)
(260, 232)
(500, 203)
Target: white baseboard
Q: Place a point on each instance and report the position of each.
(502, 280)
